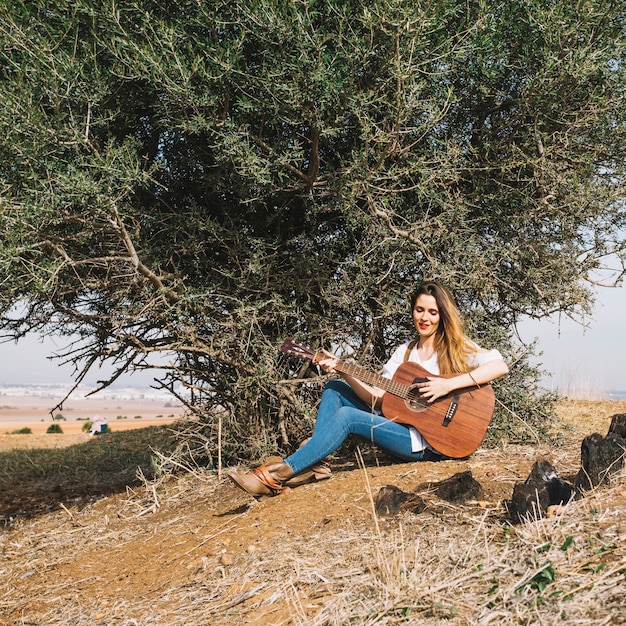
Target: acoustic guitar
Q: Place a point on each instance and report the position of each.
(454, 425)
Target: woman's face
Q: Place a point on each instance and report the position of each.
(426, 315)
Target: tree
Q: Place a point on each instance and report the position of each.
(203, 179)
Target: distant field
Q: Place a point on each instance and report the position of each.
(18, 412)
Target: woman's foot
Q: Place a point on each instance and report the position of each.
(266, 480)
(308, 476)
(319, 471)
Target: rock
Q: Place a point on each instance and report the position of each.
(529, 500)
(601, 458)
(618, 425)
(390, 500)
(559, 491)
(541, 490)
(542, 471)
(458, 488)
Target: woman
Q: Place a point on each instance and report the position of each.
(350, 406)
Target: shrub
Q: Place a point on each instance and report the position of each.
(22, 431)
(54, 428)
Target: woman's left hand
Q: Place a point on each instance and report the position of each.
(435, 388)
(328, 363)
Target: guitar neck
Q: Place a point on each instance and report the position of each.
(360, 373)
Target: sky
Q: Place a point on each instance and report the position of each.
(28, 362)
(583, 362)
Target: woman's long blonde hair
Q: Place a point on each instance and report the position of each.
(452, 344)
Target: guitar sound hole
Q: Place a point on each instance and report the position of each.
(414, 401)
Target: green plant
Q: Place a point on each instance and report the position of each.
(297, 167)
(540, 580)
(54, 429)
(22, 431)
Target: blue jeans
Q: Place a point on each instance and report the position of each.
(342, 413)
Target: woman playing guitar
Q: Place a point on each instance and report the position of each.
(453, 366)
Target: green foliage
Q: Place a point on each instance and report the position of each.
(540, 580)
(86, 427)
(22, 431)
(200, 180)
(54, 429)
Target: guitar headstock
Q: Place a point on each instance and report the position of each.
(298, 349)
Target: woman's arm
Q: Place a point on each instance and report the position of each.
(437, 387)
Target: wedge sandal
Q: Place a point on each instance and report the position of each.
(258, 482)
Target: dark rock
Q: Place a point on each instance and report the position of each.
(543, 488)
(542, 471)
(459, 488)
(391, 500)
(601, 458)
(618, 425)
(529, 500)
(559, 491)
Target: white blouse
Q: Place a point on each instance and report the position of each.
(480, 357)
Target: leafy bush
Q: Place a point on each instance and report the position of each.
(205, 212)
(22, 431)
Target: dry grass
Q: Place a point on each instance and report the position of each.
(587, 416)
(197, 551)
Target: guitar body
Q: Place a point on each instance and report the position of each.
(454, 425)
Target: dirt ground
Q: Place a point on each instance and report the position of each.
(196, 550)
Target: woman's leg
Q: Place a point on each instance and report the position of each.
(342, 413)
(328, 433)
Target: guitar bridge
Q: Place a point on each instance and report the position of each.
(452, 408)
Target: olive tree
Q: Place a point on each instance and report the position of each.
(202, 179)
